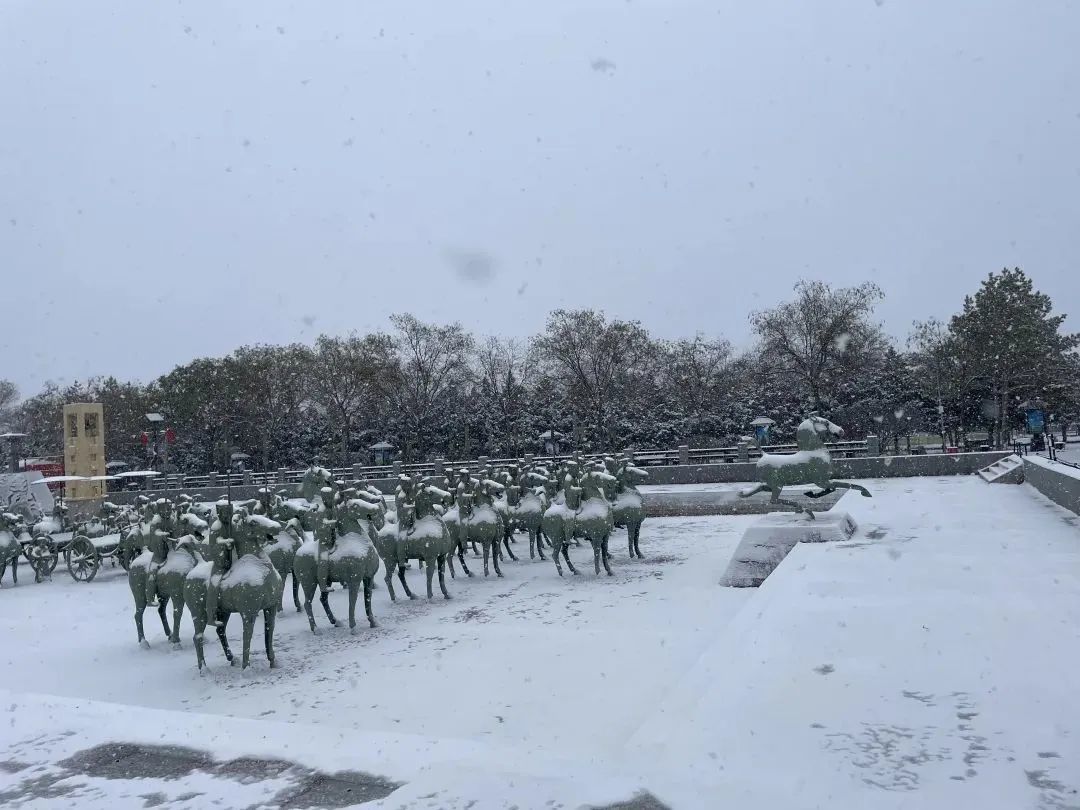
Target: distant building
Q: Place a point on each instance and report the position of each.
(84, 448)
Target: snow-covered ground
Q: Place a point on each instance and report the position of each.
(1070, 453)
(929, 662)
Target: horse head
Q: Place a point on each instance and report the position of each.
(188, 544)
(815, 430)
(597, 484)
(361, 509)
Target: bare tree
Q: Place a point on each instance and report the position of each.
(597, 361)
(275, 384)
(433, 361)
(350, 378)
(696, 374)
(821, 335)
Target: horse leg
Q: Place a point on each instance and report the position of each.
(461, 559)
(535, 535)
(795, 504)
(162, 607)
(555, 556)
(354, 591)
(404, 584)
(177, 614)
(485, 559)
(441, 561)
(495, 557)
(430, 569)
(596, 554)
(249, 630)
(389, 578)
(368, 587)
(637, 540)
(308, 598)
(296, 593)
(269, 619)
(566, 556)
(506, 542)
(474, 551)
(139, 608)
(857, 487)
(308, 595)
(324, 597)
(221, 624)
(746, 493)
(604, 556)
(281, 593)
(197, 640)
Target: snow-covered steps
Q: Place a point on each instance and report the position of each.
(1009, 470)
(765, 544)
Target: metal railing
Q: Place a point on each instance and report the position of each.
(679, 456)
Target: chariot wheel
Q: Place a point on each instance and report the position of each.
(83, 560)
(42, 556)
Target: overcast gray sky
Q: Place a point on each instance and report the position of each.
(180, 178)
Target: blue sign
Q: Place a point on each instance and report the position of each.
(1036, 422)
(762, 432)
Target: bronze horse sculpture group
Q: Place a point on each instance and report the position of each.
(237, 561)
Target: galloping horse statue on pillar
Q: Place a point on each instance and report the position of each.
(811, 464)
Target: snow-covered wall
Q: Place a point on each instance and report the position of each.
(726, 501)
(870, 467)
(1058, 482)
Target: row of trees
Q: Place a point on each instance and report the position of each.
(437, 390)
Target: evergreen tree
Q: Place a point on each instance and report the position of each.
(1009, 337)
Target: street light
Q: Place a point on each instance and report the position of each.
(156, 420)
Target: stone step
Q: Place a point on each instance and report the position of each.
(1009, 470)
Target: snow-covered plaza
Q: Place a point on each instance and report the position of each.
(932, 661)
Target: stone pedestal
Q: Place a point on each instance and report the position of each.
(765, 544)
